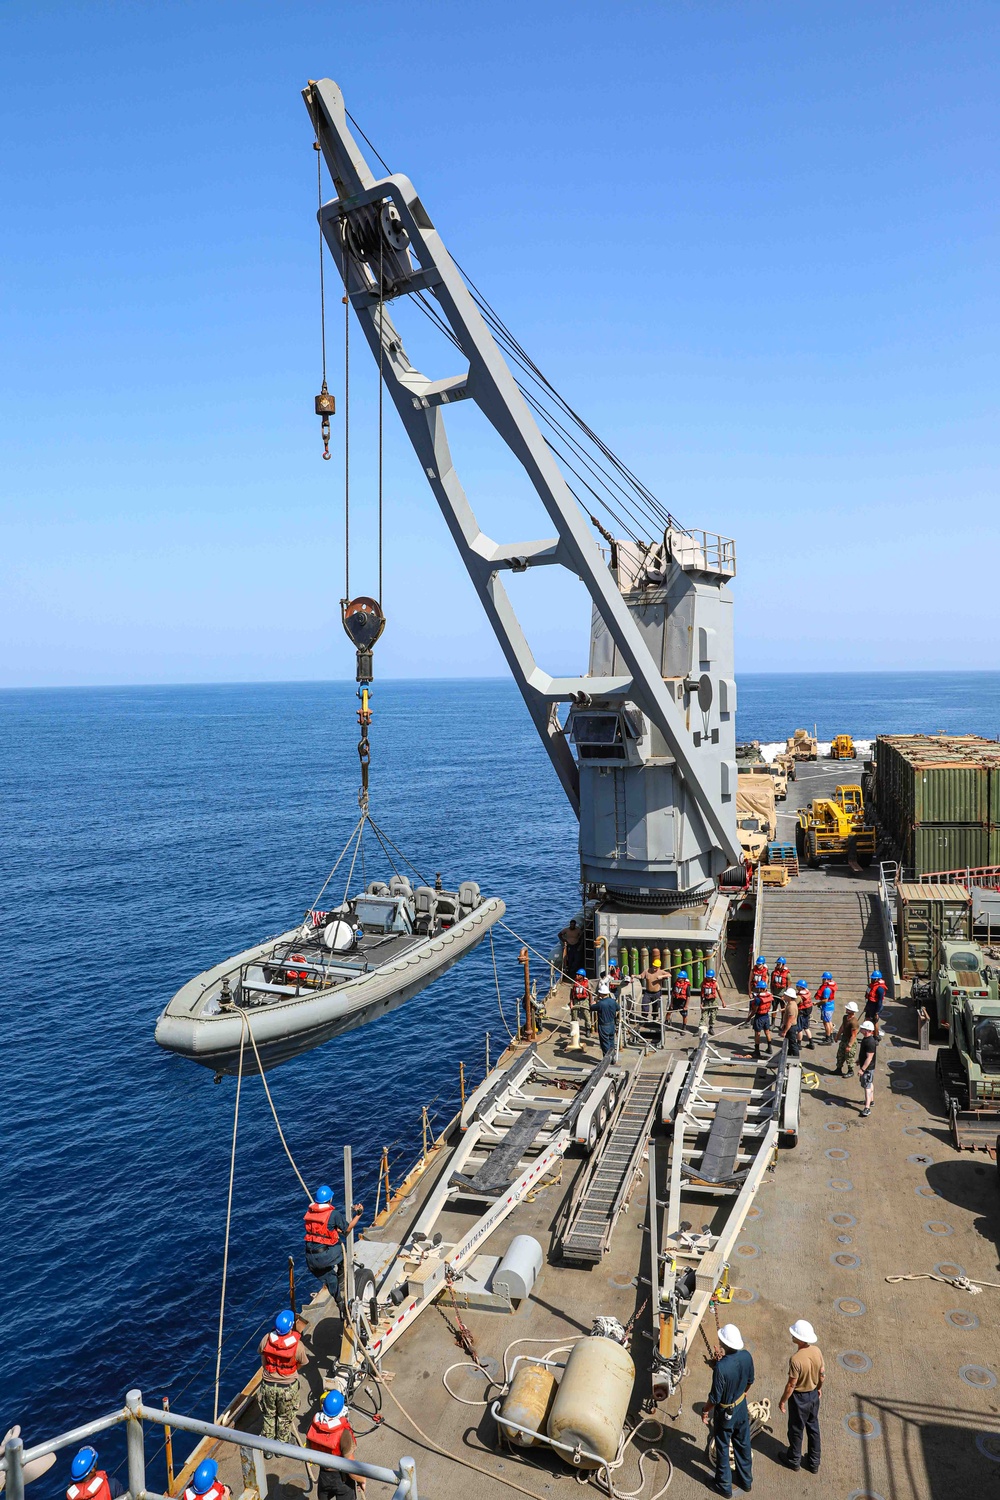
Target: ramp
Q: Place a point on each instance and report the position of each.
(597, 1202)
(839, 930)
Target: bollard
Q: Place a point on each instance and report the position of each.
(135, 1444)
(408, 1468)
(15, 1469)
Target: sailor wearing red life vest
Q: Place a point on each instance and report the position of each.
(282, 1354)
(90, 1482)
(206, 1484)
(579, 1001)
(779, 978)
(709, 1001)
(874, 998)
(680, 996)
(331, 1432)
(326, 1231)
(758, 975)
(761, 1018)
(805, 1003)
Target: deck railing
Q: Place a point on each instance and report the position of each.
(888, 876)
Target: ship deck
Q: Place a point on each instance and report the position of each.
(911, 1406)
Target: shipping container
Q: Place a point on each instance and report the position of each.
(926, 915)
(929, 848)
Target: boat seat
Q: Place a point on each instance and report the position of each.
(424, 908)
(469, 896)
(400, 886)
(447, 906)
(718, 1162)
(377, 888)
(499, 1169)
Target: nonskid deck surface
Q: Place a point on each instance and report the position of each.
(910, 1404)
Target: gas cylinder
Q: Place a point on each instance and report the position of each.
(528, 1402)
(699, 969)
(635, 961)
(675, 963)
(592, 1399)
(644, 958)
(623, 962)
(688, 961)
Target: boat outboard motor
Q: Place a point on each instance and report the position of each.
(339, 936)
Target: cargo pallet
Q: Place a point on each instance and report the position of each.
(783, 854)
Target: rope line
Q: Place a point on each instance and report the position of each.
(229, 1219)
(263, 1078)
(496, 980)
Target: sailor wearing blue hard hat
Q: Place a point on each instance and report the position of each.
(282, 1355)
(874, 999)
(90, 1482)
(826, 999)
(206, 1484)
(331, 1432)
(709, 1001)
(326, 1231)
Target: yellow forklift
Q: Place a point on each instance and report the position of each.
(834, 828)
(843, 748)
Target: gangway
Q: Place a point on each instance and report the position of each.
(726, 1118)
(603, 1190)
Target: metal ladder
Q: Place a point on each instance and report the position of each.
(597, 1202)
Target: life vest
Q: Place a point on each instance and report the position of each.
(94, 1487)
(581, 990)
(876, 992)
(327, 1433)
(827, 991)
(804, 1000)
(317, 1231)
(709, 989)
(278, 1354)
(297, 976)
(759, 972)
(682, 988)
(215, 1493)
(779, 980)
(762, 1005)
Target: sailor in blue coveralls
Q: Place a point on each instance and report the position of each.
(727, 1411)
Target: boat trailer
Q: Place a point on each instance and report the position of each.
(726, 1119)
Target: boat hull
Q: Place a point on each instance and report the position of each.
(291, 1027)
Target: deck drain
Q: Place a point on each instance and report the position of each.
(924, 1190)
(988, 1444)
(744, 1294)
(850, 1307)
(897, 1062)
(913, 1130)
(951, 1269)
(899, 1085)
(862, 1426)
(959, 1318)
(979, 1376)
(840, 1185)
(919, 1160)
(621, 1280)
(845, 1260)
(843, 1221)
(747, 1251)
(855, 1361)
(907, 1106)
(835, 1125)
(844, 1239)
(837, 1153)
(754, 1213)
(939, 1227)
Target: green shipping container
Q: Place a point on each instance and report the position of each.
(929, 914)
(931, 848)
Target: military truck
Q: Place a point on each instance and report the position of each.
(756, 819)
(963, 999)
(803, 745)
(777, 773)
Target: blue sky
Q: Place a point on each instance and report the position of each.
(755, 244)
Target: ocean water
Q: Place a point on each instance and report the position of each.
(147, 832)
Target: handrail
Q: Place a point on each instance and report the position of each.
(888, 877)
(758, 915)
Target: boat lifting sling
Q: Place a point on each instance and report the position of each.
(364, 623)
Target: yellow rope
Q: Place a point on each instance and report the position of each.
(267, 1091)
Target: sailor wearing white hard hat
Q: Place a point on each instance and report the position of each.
(801, 1397)
(867, 1049)
(847, 1041)
(726, 1409)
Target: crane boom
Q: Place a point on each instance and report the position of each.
(656, 795)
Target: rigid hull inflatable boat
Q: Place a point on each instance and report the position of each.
(335, 972)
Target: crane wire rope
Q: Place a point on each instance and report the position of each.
(322, 268)
(381, 351)
(229, 1219)
(347, 413)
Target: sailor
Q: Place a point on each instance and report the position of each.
(90, 1482)
(579, 1002)
(779, 978)
(326, 1230)
(331, 1432)
(680, 997)
(761, 1018)
(790, 1023)
(867, 1051)
(801, 1398)
(206, 1484)
(709, 1000)
(727, 1410)
(826, 999)
(758, 974)
(652, 986)
(282, 1355)
(874, 1000)
(847, 1041)
(571, 938)
(607, 1018)
(805, 1003)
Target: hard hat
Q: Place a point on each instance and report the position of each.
(790, 994)
(285, 1321)
(581, 973)
(876, 973)
(780, 964)
(324, 1194)
(709, 973)
(84, 1461)
(603, 988)
(850, 1006)
(204, 1475)
(762, 960)
(730, 1336)
(657, 964)
(760, 985)
(683, 974)
(867, 1026)
(803, 1331)
(827, 974)
(333, 1403)
(800, 984)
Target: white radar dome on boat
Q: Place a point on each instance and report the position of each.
(339, 936)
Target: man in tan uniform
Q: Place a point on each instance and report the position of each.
(801, 1397)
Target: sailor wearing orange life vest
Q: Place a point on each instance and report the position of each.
(779, 978)
(579, 1001)
(758, 975)
(326, 1231)
(90, 1482)
(331, 1432)
(282, 1354)
(206, 1484)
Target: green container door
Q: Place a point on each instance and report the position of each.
(933, 849)
(950, 794)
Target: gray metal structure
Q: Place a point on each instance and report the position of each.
(654, 779)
